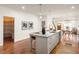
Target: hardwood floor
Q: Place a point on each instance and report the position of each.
(67, 45)
(22, 47)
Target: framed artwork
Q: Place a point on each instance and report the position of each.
(24, 25)
(30, 25)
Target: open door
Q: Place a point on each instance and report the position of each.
(8, 30)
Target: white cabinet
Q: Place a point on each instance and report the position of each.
(52, 42)
(45, 45)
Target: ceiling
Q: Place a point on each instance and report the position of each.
(45, 8)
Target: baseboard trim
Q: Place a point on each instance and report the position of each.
(1, 45)
(21, 40)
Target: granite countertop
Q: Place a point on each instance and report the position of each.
(45, 35)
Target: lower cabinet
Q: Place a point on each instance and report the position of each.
(44, 45)
(53, 42)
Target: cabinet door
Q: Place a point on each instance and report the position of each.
(41, 45)
(52, 41)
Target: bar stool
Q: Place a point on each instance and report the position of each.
(33, 39)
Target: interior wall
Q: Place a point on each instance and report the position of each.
(62, 17)
(1, 31)
(19, 16)
(23, 16)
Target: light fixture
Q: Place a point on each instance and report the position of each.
(40, 11)
(40, 16)
(73, 7)
(23, 7)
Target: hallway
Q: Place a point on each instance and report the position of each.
(22, 47)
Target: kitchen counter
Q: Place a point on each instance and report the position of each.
(46, 43)
(45, 35)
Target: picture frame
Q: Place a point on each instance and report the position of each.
(24, 25)
(30, 25)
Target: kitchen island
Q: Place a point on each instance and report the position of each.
(47, 42)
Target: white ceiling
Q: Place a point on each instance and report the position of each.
(46, 8)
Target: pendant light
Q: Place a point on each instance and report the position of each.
(40, 11)
(43, 22)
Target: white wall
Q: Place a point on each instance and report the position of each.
(62, 16)
(19, 17)
(1, 31)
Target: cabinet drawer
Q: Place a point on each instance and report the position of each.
(50, 47)
(50, 39)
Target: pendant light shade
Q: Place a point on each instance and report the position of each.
(40, 11)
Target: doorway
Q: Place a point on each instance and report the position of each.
(8, 30)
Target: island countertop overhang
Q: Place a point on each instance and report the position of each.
(48, 34)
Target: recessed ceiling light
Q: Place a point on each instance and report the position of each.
(73, 7)
(40, 16)
(23, 7)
